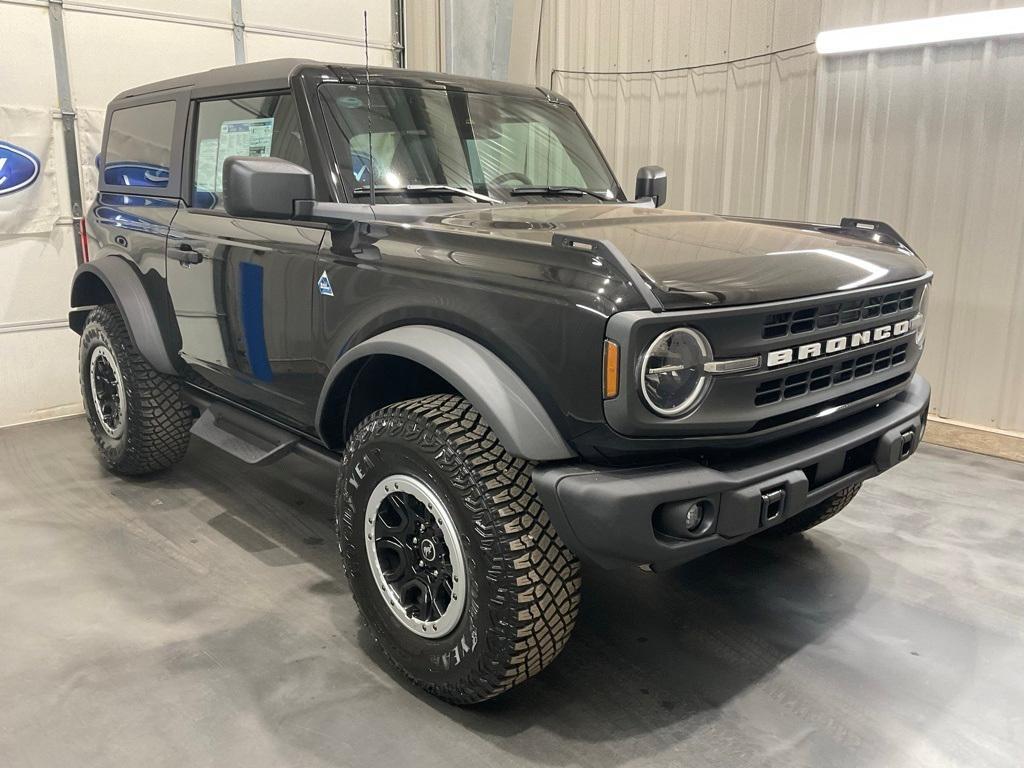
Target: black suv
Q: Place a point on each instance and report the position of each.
(436, 284)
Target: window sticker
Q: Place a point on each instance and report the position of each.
(206, 164)
(248, 138)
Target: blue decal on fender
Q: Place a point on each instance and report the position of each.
(324, 284)
(18, 168)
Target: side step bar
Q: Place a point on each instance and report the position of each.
(243, 436)
(249, 438)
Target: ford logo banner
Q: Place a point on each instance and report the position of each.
(18, 168)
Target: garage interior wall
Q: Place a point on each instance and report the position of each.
(928, 139)
(113, 45)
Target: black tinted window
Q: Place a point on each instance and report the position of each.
(138, 150)
(257, 126)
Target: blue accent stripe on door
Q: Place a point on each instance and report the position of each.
(251, 277)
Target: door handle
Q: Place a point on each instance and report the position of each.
(185, 253)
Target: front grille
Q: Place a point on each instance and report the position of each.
(799, 384)
(824, 380)
(780, 324)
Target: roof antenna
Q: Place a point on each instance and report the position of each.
(369, 116)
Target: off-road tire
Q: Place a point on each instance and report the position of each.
(817, 514)
(157, 418)
(523, 583)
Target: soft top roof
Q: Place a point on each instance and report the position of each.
(238, 74)
(277, 73)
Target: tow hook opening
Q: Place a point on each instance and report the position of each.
(773, 504)
(906, 443)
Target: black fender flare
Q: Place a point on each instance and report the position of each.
(124, 284)
(507, 404)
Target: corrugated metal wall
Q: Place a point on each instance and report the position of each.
(930, 140)
(424, 35)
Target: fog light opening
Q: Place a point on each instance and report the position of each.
(684, 519)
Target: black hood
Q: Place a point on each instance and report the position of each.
(697, 259)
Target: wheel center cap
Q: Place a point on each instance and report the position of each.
(428, 550)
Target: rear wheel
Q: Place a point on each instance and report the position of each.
(817, 514)
(456, 568)
(136, 414)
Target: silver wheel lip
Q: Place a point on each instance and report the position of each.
(102, 351)
(400, 483)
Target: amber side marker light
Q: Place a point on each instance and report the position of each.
(611, 369)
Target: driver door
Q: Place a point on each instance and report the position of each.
(242, 289)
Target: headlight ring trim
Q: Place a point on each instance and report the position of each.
(700, 390)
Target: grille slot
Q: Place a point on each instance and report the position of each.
(804, 382)
(780, 324)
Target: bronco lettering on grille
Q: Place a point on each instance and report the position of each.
(836, 345)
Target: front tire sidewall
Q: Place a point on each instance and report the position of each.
(431, 661)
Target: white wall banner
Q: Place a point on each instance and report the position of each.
(90, 142)
(28, 180)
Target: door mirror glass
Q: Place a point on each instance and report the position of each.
(265, 187)
(652, 182)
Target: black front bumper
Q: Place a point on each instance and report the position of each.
(606, 515)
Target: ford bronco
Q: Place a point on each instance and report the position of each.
(436, 285)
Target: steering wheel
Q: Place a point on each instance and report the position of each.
(510, 176)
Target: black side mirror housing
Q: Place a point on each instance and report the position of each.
(265, 187)
(652, 182)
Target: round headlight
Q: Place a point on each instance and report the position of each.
(922, 317)
(672, 377)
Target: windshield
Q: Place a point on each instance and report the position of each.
(501, 147)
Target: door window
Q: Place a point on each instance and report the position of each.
(255, 126)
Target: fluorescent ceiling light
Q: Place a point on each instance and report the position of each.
(938, 29)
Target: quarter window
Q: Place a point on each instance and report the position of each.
(256, 126)
(138, 152)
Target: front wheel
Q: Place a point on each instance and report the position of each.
(452, 560)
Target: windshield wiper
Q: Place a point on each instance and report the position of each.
(573, 191)
(426, 189)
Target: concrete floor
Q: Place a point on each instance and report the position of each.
(199, 618)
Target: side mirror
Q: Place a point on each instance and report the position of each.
(652, 181)
(265, 187)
